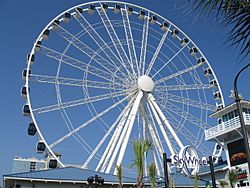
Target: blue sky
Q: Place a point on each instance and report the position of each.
(22, 21)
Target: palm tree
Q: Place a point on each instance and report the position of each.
(196, 177)
(223, 183)
(119, 175)
(232, 177)
(152, 174)
(232, 13)
(140, 148)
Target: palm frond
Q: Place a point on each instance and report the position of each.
(234, 14)
(152, 174)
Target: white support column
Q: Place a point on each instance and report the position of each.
(156, 165)
(161, 128)
(164, 119)
(144, 137)
(113, 142)
(105, 137)
(129, 123)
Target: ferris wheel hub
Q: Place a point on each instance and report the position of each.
(145, 83)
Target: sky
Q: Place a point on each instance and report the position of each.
(22, 21)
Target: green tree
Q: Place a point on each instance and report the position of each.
(223, 183)
(233, 14)
(232, 177)
(119, 175)
(152, 174)
(196, 178)
(140, 148)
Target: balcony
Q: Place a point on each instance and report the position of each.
(226, 127)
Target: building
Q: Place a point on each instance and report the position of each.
(72, 177)
(228, 133)
(27, 164)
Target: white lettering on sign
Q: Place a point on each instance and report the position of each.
(188, 160)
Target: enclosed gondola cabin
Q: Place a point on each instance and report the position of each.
(66, 17)
(55, 24)
(184, 41)
(217, 95)
(24, 91)
(201, 60)
(153, 20)
(52, 163)
(40, 147)
(193, 51)
(213, 83)
(32, 129)
(164, 26)
(105, 7)
(174, 33)
(26, 110)
(207, 72)
(38, 46)
(219, 107)
(117, 9)
(91, 9)
(45, 35)
(79, 11)
(141, 15)
(31, 58)
(130, 11)
(24, 74)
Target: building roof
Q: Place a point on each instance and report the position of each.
(182, 180)
(206, 169)
(78, 175)
(229, 108)
(67, 174)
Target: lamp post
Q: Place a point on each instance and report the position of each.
(242, 123)
(165, 166)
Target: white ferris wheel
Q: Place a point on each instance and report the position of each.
(104, 73)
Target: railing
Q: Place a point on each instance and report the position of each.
(225, 127)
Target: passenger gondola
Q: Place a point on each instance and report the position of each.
(32, 129)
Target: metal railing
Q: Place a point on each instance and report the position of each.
(225, 127)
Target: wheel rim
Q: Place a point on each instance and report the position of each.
(97, 61)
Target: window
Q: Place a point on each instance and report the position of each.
(236, 113)
(225, 118)
(32, 166)
(231, 115)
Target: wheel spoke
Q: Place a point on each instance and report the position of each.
(144, 45)
(188, 135)
(176, 54)
(87, 50)
(186, 115)
(182, 87)
(130, 40)
(104, 47)
(115, 39)
(178, 73)
(75, 82)
(89, 121)
(77, 63)
(157, 51)
(78, 102)
(187, 101)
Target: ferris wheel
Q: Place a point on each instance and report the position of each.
(103, 74)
